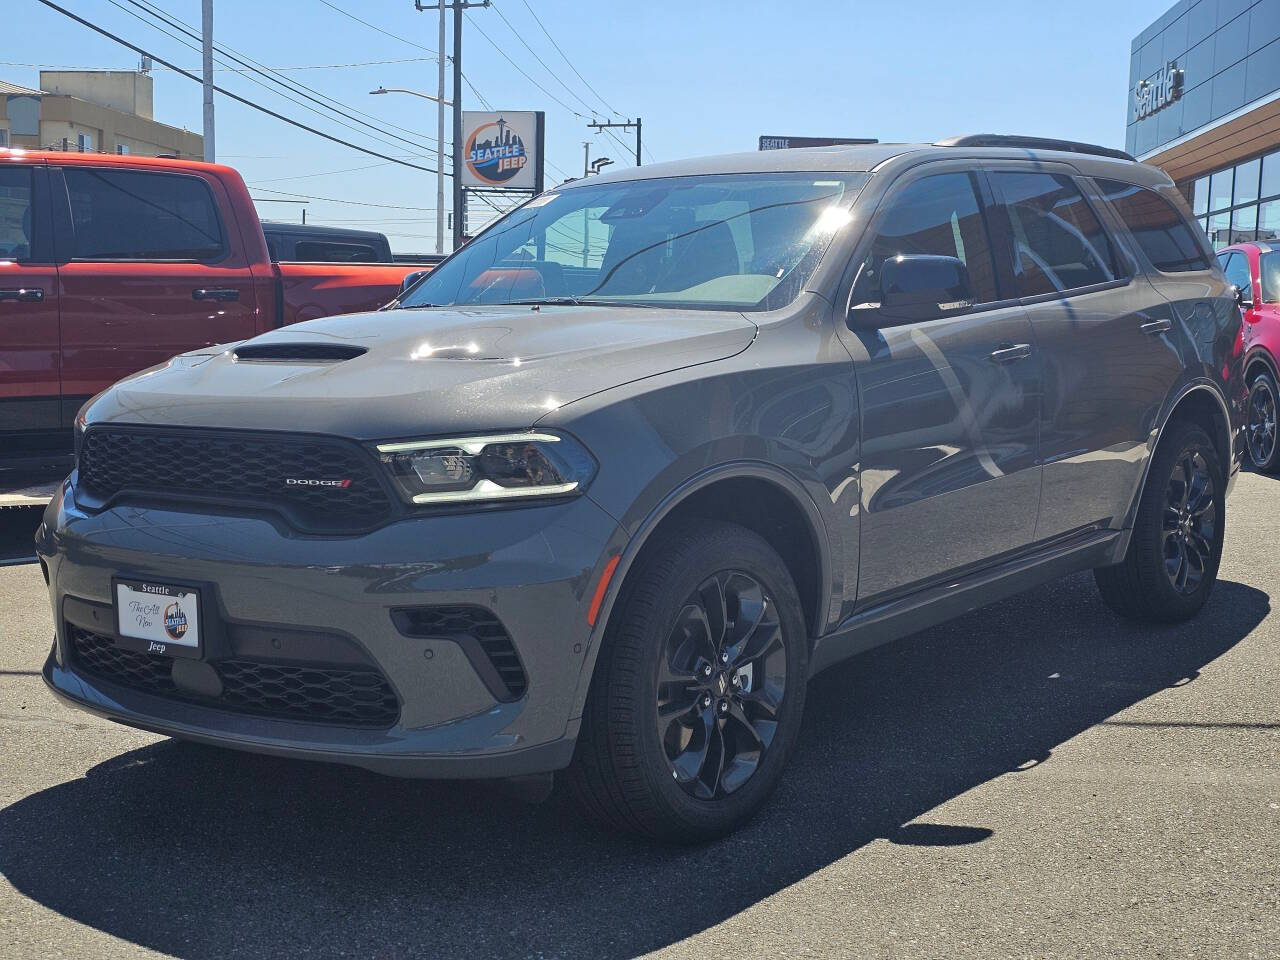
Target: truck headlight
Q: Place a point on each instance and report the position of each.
(488, 468)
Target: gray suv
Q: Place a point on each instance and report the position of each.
(604, 490)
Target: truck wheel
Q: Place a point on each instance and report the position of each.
(1173, 555)
(1260, 434)
(696, 699)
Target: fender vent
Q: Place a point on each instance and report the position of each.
(482, 638)
(299, 352)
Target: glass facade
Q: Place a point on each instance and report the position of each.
(1238, 203)
(1228, 52)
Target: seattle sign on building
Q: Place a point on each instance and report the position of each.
(502, 150)
(1152, 96)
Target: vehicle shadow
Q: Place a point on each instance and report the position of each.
(203, 853)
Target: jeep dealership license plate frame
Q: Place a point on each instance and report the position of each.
(157, 618)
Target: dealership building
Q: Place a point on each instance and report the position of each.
(1204, 104)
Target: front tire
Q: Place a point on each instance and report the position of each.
(1172, 561)
(1260, 432)
(696, 699)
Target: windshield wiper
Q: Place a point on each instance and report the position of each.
(536, 301)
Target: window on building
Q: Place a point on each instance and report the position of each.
(1157, 226)
(936, 216)
(15, 213)
(84, 142)
(1269, 220)
(4, 138)
(1220, 190)
(130, 215)
(1200, 197)
(1246, 188)
(122, 149)
(1058, 243)
(1270, 176)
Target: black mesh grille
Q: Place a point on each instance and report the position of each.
(479, 625)
(353, 696)
(240, 468)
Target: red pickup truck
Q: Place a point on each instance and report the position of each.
(110, 264)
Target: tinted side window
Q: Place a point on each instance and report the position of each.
(1269, 274)
(1237, 270)
(1164, 236)
(131, 215)
(15, 213)
(1058, 243)
(326, 251)
(939, 216)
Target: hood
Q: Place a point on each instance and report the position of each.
(403, 373)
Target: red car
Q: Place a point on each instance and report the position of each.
(1254, 268)
(110, 264)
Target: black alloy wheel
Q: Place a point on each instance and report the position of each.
(1190, 521)
(1261, 429)
(721, 680)
(1175, 546)
(696, 698)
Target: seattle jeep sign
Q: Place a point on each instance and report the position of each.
(1151, 96)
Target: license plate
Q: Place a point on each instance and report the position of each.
(158, 618)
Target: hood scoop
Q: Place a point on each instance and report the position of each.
(298, 352)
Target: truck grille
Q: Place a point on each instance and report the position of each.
(338, 489)
(351, 696)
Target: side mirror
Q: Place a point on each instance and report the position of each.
(919, 287)
(1243, 298)
(411, 279)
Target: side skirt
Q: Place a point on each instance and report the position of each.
(898, 618)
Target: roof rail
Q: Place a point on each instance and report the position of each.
(1032, 143)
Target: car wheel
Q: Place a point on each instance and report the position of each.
(696, 699)
(1260, 434)
(1176, 546)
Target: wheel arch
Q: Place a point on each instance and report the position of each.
(1259, 358)
(1202, 403)
(728, 492)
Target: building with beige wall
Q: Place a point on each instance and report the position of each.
(107, 111)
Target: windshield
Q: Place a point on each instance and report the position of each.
(737, 242)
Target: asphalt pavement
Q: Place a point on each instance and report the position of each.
(1036, 779)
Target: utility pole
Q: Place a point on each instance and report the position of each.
(440, 142)
(586, 158)
(457, 6)
(625, 126)
(206, 27)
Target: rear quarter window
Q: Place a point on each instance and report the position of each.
(1160, 230)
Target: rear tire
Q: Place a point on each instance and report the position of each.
(1172, 561)
(696, 699)
(1260, 431)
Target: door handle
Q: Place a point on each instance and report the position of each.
(1018, 351)
(220, 294)
(25, 294)
(1157, 326)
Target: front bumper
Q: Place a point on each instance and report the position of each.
(534, 568)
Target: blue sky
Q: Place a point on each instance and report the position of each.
(707, 77)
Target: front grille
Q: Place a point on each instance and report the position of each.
(240, 468)
(352, 696)
(483, 638)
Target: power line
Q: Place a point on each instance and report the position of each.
(304, 66)
(357, 203)
(323, 173)
(286, 83)
(227, 93)
(524, 74)
(395, 36)
(567, 60)
(503, 17)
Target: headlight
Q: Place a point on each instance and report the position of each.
(487, 468)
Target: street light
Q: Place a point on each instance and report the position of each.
(599, 163)
(441, 103)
